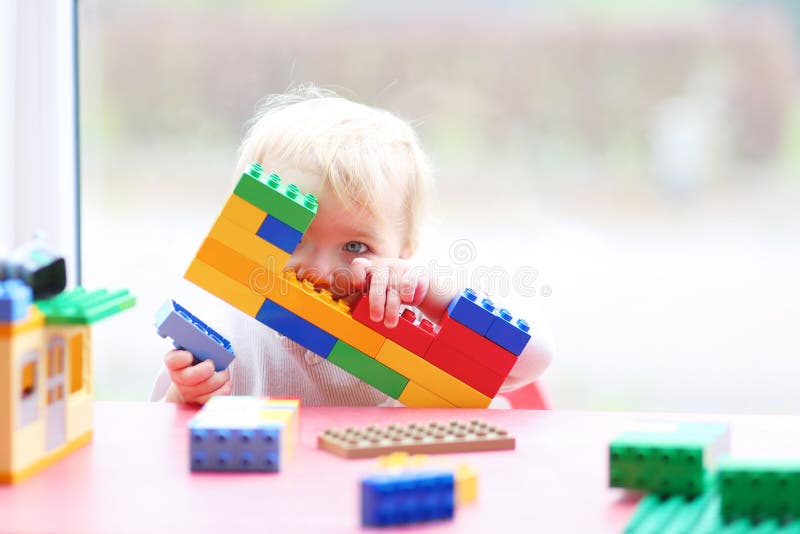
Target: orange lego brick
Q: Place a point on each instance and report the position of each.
(319, 308)
(430, 377)
(235, 266)
(244, 214)
(316, 307)
(224, 287)
(417, 396)
(429, 438)
(248, 244)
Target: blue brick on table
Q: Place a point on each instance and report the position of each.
(279, 234)
(407, 497)
(190, 333)
(476, 314)
(510, 333)
(296, 328)
(218, 443)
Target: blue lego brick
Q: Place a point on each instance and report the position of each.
(190, 333)
(474, 314)
(294, 327)
(218, 442)
(408, 497)
(279, 234)
(511, 334)
(15, 300)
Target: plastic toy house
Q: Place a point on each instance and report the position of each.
(46, 388)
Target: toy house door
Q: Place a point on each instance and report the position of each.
(56, 406)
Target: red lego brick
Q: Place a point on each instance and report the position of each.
(414, 337)
(482, 350)
(464, 368)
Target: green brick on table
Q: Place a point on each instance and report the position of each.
(283, 201)
(367, 369)
(698, 515)
(755, 489)
(667, 459)
(79, 306)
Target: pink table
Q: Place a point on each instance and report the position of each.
(134, 477)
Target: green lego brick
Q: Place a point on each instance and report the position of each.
(666, 459)
(367, 369)
(283, 201)
(759, 489)
(79, 306)
(698, 515)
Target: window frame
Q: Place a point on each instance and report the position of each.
(40, 144)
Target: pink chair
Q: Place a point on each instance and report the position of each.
(527, 398)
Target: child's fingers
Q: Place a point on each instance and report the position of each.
(359, 269)
(408, 286)
(225, 389)
(379, 280)
(193, 375)
(175, 360)
(392, 315)
(214, 382)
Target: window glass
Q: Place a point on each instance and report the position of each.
(631, 166)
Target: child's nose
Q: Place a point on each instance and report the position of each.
(312, 265)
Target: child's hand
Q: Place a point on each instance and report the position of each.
(194, 384)
(390, 282)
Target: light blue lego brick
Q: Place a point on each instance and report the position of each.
(279, 234)
(475, 314)
(222, 440)
(15, 300)
(510, 333)
(408, 497)
(190, 333)
(296, 328)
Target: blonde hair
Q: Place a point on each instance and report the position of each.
(366, 156)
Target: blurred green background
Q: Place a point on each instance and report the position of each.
(641, 157)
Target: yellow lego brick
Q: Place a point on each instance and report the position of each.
(401, 460)
(291, 406)
(249, 244)
(430, 377)
(416, 396)
(286, 420)
(466, 484)
(224, 287)
(233, 265)
(244, 214)
(319, 308)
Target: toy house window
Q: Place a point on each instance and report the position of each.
(78, 364)
(28, 379)
(28, 410)
(55, 357)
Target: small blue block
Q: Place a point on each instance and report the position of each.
(213, 448)
(466, 309)
(404, 498)
(15, 300)
(294, 327)
(190, 333)
(511, 334)
(279, 234)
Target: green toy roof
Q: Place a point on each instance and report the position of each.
(79, 306)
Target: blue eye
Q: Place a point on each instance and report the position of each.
(355, 247)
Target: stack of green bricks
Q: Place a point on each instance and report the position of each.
(693, 489)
